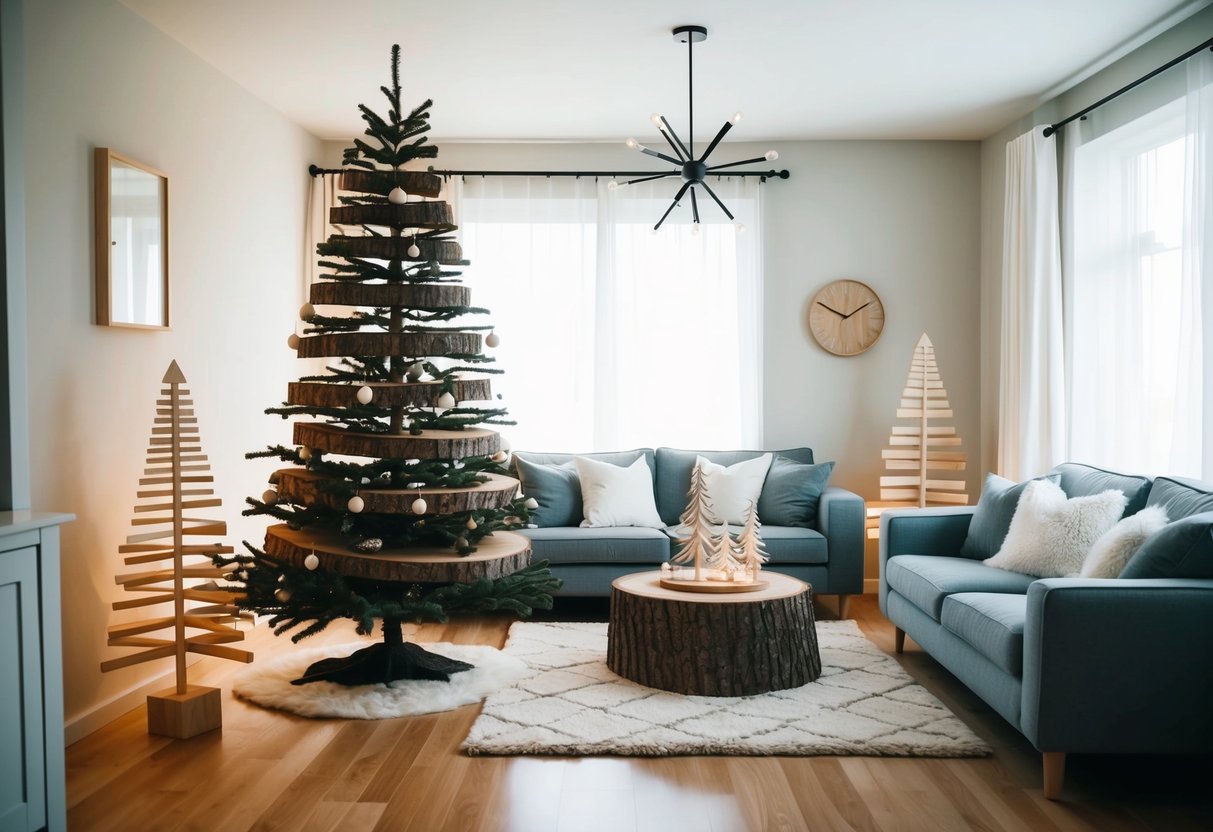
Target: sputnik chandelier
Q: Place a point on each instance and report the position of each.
(692, 170)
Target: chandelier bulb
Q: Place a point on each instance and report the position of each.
(612, 185)
(771, 156)
(695, 229)
(740, 227)
(736, 117)
(656, 119)
(632, 144)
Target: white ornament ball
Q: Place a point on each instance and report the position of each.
(364, 395)
(492, 339)
(471, 524)
(292, 341)
(397, 196)
(446, 400)
(305, 453)
(500, 456)
(420, 505)
(531, 503)
(283, 595)
(269, 497)
(413, 251)
(356, 504)
(306, 311)
(414, 371)
(311, 562)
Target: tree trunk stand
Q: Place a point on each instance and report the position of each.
(713, 645)
(394, 659)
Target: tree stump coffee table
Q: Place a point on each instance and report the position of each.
(718, 644)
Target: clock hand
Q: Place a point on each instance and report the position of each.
(844, 317)
(835, 311)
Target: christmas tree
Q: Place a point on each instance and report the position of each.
(749, 544)
(696, 547)
(396, 506)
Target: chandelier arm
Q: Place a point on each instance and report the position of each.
(691, 96)
(728, 125)
(675, 142)
(694, 207)
(712, 194)
(648, 151)
(673, 205)
(650, 178)
(736, 164)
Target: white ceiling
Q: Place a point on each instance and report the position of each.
(596, 69)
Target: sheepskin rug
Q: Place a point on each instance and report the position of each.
(268, 683)
(570, 703)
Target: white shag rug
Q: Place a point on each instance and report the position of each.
(569, 703)
(268, 683)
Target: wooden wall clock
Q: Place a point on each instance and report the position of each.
(846, 317)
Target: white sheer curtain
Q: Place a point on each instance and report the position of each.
(1031, 419)
(1138, 285)
(613, 336)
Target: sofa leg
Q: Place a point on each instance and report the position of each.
(1055, 773)
(843, 601)
(899, 640)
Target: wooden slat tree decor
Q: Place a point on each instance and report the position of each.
(922, 460)
(175, 482)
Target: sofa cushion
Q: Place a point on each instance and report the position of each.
(625, 544)
(674, 468)
(792, 492)
(926, 580)
(731, 490)
(556, 488)
(991, 623)
(616, 495)
(1079, 480)
(783, 544)
(1181, 497)
(992, 517)
(1183, 549)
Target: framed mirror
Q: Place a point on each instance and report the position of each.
(131, 231)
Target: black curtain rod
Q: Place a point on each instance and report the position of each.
(1053, 128)
(316, 170)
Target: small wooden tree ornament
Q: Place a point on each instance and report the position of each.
(716, 568)
(749, 544)
(174, 482)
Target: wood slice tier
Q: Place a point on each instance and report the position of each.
(430, 444)
(446, 252)
(418, 183)
(430, 215)
(302, 486)
(713, 644)
(413, 295)
(500, 554)
(410, 344)
(386, 393)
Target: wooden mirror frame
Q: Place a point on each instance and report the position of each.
(103, 161)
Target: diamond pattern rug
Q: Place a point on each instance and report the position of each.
(569, 703)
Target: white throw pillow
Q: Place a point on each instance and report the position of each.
(731, 490)
(612, 495)
(1050, 535)
(1111, 552)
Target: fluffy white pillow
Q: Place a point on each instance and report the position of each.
(731, 490)
(1111, 552)
(612, 495)
(1050, 535)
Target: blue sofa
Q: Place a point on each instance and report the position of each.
(1120, 665)
(828, 554)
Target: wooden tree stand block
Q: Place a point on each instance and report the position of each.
(184, 715)
(725, 644)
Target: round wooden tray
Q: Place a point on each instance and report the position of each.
(713, 586)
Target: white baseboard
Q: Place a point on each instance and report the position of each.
(83, 724)
(871, 586)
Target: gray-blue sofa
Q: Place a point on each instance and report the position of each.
(1121, 665)
(826, 552)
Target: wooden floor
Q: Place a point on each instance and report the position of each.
(270, 770)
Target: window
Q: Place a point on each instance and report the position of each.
(612, 336)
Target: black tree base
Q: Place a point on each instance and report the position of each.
(383, 663)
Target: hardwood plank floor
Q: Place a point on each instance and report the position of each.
(269, 770)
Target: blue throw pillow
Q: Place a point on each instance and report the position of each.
(1181, 497)
(791, 492)
(992, 517)
(1079, 480)
(1183, 549)
(557, 490)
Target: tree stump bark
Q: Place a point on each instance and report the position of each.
(713, 645)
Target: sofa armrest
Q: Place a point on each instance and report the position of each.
(840, 517)
(1118, 665)
(921, 531)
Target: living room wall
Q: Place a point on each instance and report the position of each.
(99, 75)
(899, 216)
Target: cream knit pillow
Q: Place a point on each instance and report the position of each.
(1111, 552)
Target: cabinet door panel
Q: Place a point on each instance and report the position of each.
(22, 789)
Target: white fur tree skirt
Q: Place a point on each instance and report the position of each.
(268, 683)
